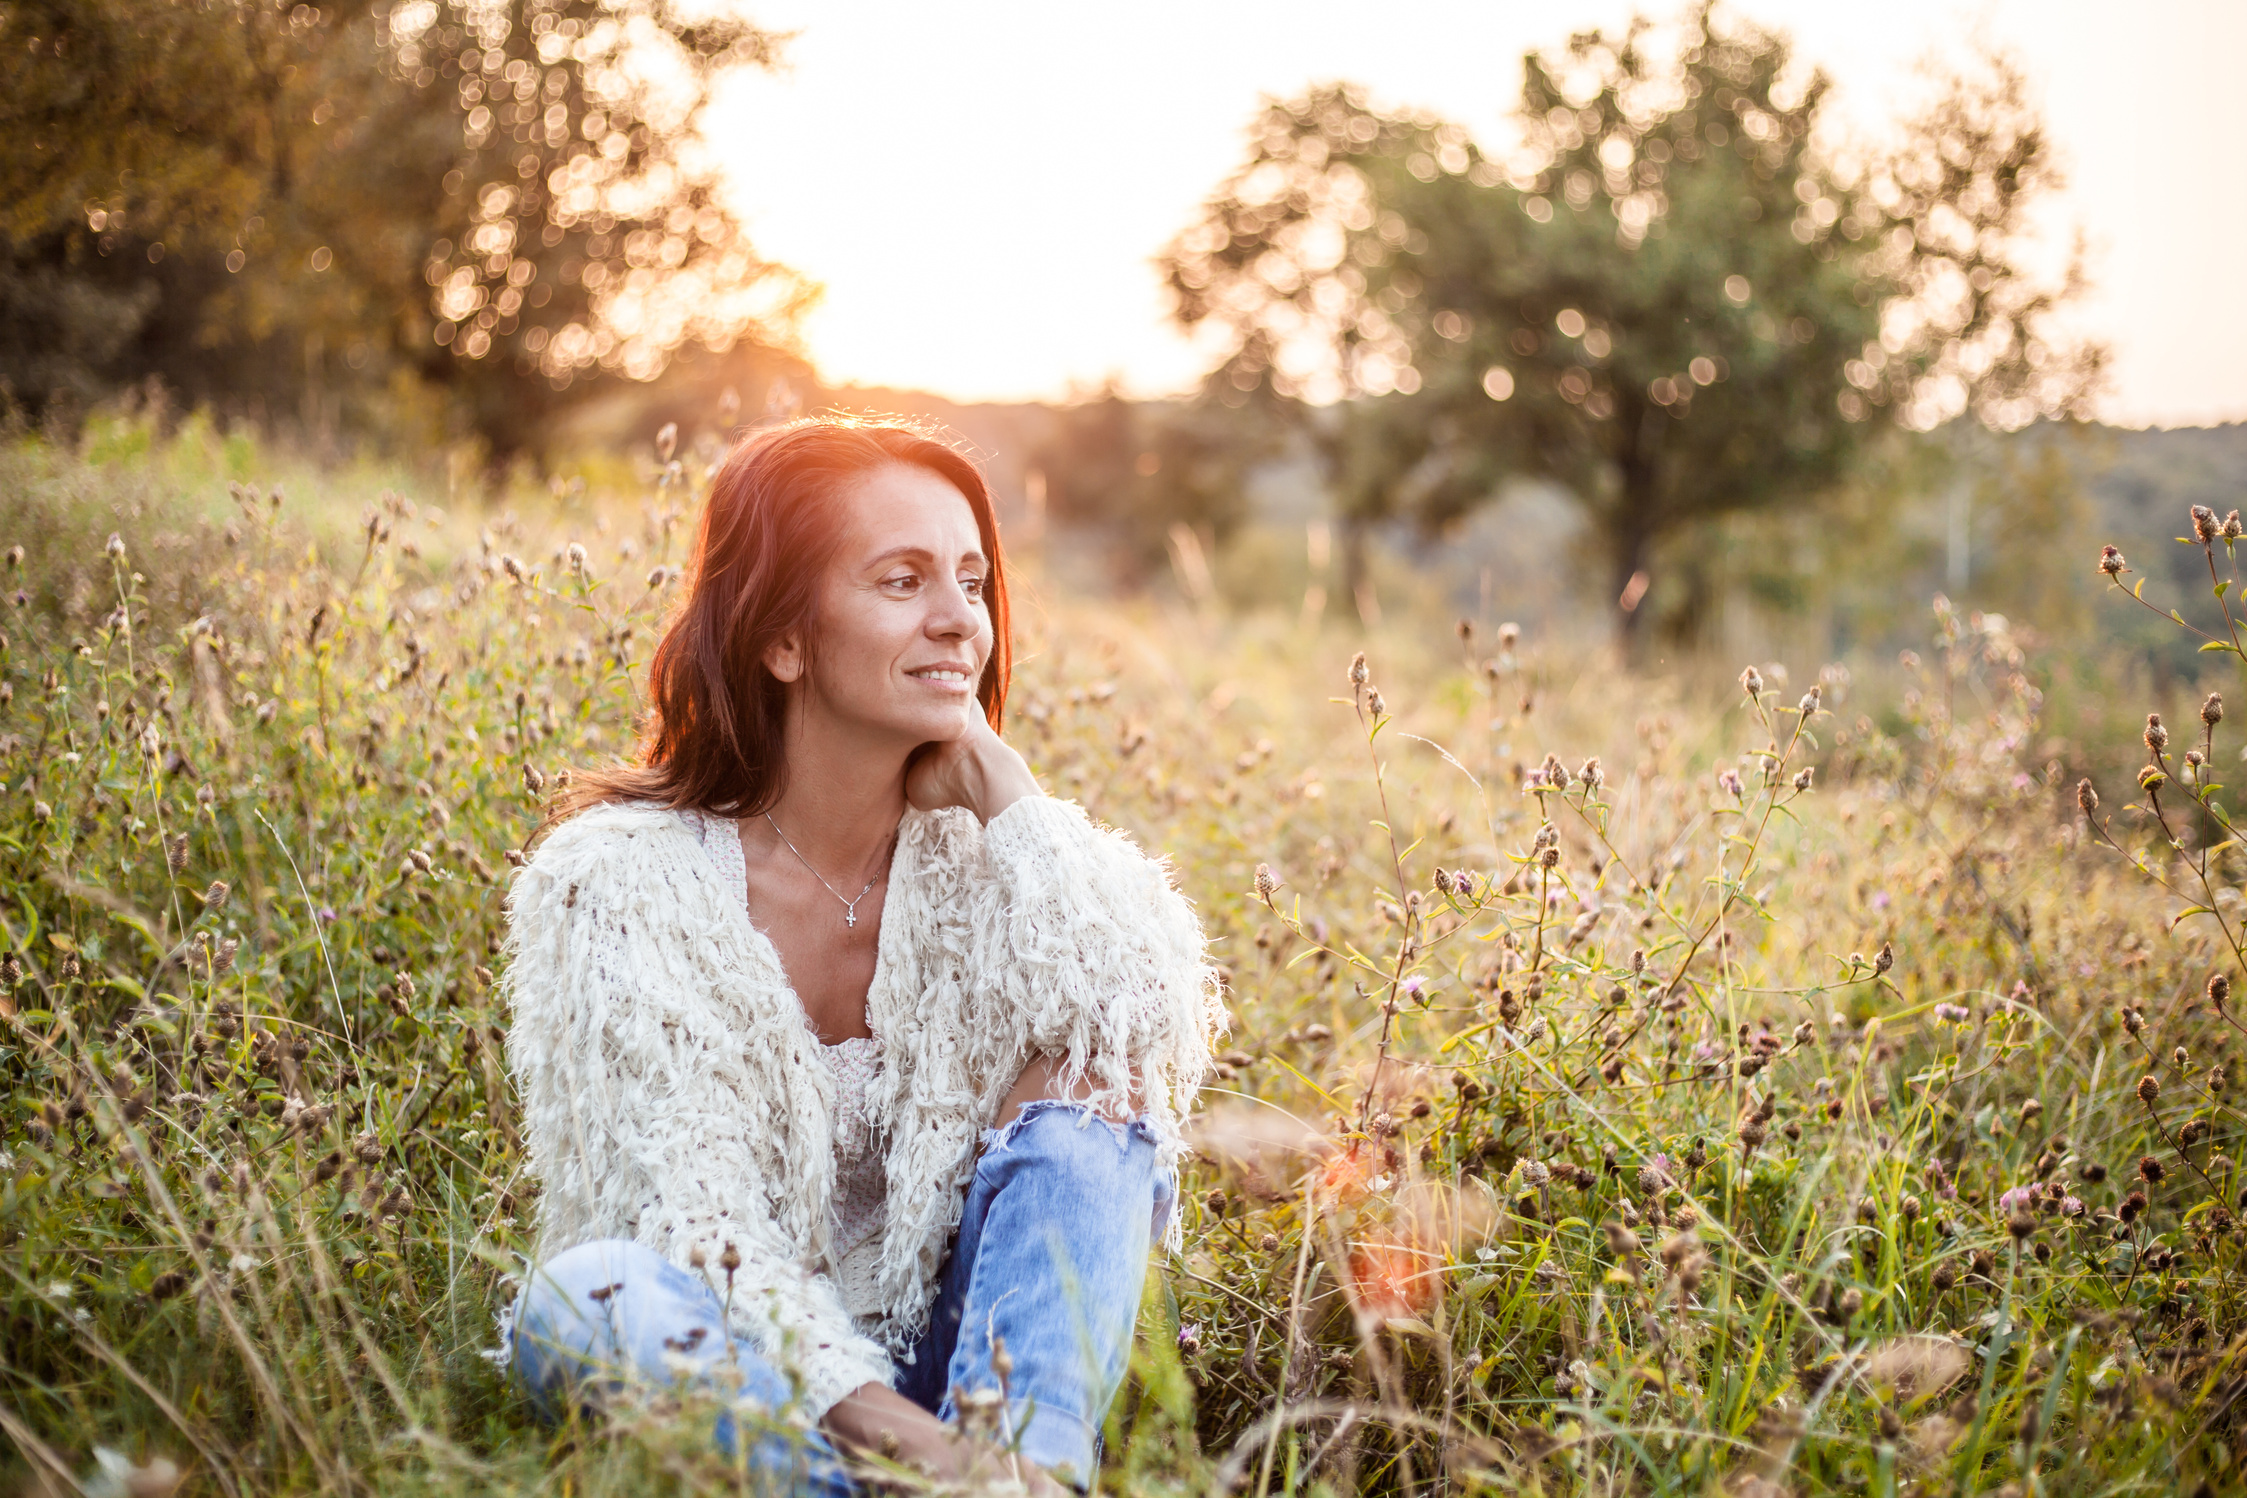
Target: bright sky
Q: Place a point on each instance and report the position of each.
(982, 186)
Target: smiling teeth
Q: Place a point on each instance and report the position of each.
(941, 675)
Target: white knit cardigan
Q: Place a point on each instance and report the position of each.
(671, 1086)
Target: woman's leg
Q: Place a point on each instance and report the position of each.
(603, 1314)
(1051, 1258)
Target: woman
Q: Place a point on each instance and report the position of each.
(852, 1066)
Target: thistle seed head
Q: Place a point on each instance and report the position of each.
(1751, 682)
(2086, 798)
(2111, 561)
(2157, 737)
(2232, 529)
(2149, 1087)
(2219, 990)
(214, 898)
(2212, 709)
(2205, 526)
(1266, 884)
(1359, 673)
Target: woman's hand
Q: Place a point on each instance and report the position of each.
(977, 770)
(876, 1420)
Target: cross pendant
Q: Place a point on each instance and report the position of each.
(850, 917)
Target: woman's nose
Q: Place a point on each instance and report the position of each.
(953, 615)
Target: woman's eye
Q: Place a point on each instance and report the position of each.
(904, 583)
(973, 586)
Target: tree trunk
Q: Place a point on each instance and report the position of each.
(1629, 579)
(1632, 529)
(1357, 579)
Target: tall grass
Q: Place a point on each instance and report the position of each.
(1634, 1086)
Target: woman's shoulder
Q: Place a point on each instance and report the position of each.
(616, 836)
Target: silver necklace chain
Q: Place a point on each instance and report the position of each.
(850, 906)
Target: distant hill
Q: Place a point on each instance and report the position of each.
(2154, 477)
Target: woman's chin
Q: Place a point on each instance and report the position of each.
(940, 727)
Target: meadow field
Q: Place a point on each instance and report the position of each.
(1765, 1081)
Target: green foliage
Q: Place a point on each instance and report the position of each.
(1754, 1103)
(307, 214)
(1669, 300)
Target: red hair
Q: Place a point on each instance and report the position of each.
(712, 737)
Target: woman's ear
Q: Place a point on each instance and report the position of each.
(784, 657)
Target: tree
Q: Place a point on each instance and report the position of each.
(1669, 299)
(279, 204)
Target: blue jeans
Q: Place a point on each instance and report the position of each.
(1051, 1256)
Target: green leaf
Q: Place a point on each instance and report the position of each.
(2223, 587)
(2212, 644)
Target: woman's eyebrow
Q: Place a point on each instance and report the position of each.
(919, 554)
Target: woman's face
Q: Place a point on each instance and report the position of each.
(902, 630)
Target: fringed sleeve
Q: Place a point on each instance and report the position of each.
(1090, 954)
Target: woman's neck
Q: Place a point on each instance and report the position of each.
(842, 800)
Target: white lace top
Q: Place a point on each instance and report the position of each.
(860, 1206)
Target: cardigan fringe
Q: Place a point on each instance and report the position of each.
(670, 1082)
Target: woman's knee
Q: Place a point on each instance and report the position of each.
(1041, 1081)
(565, 1298)
(600, 1264)
(1104, 1155)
